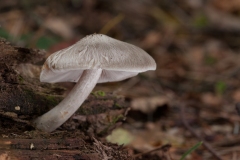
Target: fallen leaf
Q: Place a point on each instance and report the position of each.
(120, 136)
(59, 26)
(148, 104)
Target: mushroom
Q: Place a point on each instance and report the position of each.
(94, 59)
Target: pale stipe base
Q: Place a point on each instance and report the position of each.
(67, 107)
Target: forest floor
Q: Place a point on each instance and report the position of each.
(193, 96)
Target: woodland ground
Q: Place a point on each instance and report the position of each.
(191, 97)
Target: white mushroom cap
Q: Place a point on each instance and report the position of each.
(94, 59)
(117, 59)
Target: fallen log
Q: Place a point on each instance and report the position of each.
(23, 98)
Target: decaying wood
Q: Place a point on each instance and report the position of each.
(23, 98)
(19, 94)
(22, 149)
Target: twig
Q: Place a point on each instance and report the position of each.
(205, 144)
(112, 23)
(163, 148)
(238, 108)
(12, 116)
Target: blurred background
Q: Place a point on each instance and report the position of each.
(195, 44)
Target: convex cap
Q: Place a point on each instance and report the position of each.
(117, 59)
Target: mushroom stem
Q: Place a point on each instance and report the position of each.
(66, 108)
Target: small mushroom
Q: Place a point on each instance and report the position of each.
(94, 59)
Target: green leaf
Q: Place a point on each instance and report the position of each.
(220, 87)
(4, 34)
(209, 60)
(45, 42)
(191, 150)
(99, 93)
(201, 21)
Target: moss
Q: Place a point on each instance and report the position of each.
(99, 93)
(112, 123)
(35, 97)
(117, 106)
(20, 79)
(51, 100)
(36, 103)
(115, 119)
(29, 94)
(84, 111)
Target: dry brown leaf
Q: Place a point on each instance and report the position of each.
(148, 104)
(222, 20)
(227, 5)
(4, 156)
(151, 40)
(225, 129)
(195, 57)
(211, 99)
(236, 95)
(150, 139)
(59, 26)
